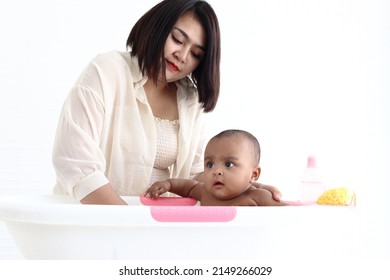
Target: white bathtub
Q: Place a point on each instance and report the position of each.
(57, 227)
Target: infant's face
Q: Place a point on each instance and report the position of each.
(228, 166)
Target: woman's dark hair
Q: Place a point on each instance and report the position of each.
(147, 40)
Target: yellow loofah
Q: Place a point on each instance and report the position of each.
(338, 196)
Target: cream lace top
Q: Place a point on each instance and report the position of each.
(166, 148)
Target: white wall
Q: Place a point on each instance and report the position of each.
(305, 76)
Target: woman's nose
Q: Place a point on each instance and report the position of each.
(182, 54)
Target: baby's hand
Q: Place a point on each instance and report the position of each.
(158, 188)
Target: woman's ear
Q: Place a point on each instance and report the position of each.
(256, 173)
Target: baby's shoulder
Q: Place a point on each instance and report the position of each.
(258, 191)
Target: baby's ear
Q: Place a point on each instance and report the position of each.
(256, 173)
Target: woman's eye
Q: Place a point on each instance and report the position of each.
(197, 56)
(229, 164)
(176, 40)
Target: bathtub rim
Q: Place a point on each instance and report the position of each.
(64, 210)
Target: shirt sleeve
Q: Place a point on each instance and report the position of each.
(77, 158)
(198, 163)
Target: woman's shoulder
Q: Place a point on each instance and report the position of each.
(111, 57)
(115, 65)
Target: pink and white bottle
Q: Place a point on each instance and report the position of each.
(312, 185)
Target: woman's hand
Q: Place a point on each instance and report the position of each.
(276, 194)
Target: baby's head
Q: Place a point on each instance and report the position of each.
(244, 138)
(231, 161)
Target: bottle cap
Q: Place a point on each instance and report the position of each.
(311, 162)
(311, 173)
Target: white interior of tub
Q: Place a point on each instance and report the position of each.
(58, 227)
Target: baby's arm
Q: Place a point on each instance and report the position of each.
(182, 187)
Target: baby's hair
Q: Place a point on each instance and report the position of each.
(248, 136)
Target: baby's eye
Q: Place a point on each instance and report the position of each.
(229, 164)
(209, 164)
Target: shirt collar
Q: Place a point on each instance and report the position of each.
(186, 88)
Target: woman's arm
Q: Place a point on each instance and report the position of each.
(78, 159)
(103, 195)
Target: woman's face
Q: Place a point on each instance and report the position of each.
(184, 48)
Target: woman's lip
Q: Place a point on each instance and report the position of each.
(173, 66)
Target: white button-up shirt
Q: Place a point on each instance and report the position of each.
(106, 132)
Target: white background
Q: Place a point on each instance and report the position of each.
(305, 76)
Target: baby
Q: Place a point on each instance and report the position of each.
(231, 163)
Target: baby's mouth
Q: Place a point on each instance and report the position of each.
(218, 184)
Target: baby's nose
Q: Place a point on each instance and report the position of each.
(218, 172)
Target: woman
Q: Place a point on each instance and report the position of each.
(137, 117)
